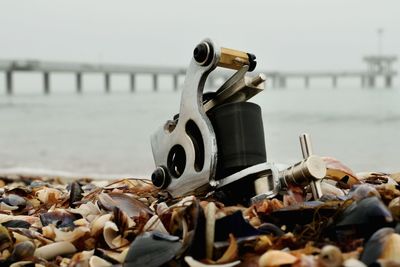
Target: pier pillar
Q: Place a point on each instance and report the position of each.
(388, 81)
(175, 82)
(79, 82)
(132, 79)
(371, 81)
(155, 82)
(9, 82)
(107, 82)
(363, 78)
(46, 82)
(306, 82)
(282, 82)
(334, 81)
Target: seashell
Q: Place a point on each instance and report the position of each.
(329, 189)
(29, 219)
(14, 200)
(391, 248)
(270, 229)
(70, 236)
(5, 206)
(75, 194)
(337, 171)
(128, 204)
(122, 220)
(276, 258)
(5, 238)
(383, 244)
(50, 251)
(88, 210)
(394, 207)
(98, 262)
(48, 195)
(22, 251)
(21, 264)
(16, 224)
(116, 256)
(234, 224)
(359, 216)
(59, 218)
(330, 256)
(155, 224)
(231, 252)
(81, 258)
(152, 249)
(210, 211)
(353, 263)
(363, 191)
(112, 237)
(376, 178)
(98, 224)
(193, 263)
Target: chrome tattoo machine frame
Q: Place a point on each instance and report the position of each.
(216, 142)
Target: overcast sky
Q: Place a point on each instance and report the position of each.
(283, 34)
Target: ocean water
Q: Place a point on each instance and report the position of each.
(109, 134)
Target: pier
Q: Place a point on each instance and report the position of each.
(376, 66)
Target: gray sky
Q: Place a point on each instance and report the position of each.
(285, 35)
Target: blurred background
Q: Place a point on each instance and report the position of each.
(312, 51)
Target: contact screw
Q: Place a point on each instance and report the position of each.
(309, 171)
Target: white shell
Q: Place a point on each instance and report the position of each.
(276, 258)
(193, 263)
(155, 224)
(112, 237)
(353, 263)
(211, 209)
(69, 236)
(20, 263)
(98, 262)
(43, 194)
(98, 224)
(52, 250)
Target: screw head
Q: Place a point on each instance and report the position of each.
(160, 177)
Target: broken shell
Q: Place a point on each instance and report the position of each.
(48, 195)
(21, 264)
(394, 207)
(193, 263)
(76, 194)
(112, 237)
(276, 258)
(330, 256)
(14, 200)
(155, 224)
(337, 171)
(23, 250)
(59, 218)
(98, 262)
(98, 224)
(122, 220)
(210, 211)
(363, 191)
(50, 251)
(5, 238)
(152, 249)
(329, 189)
(128, 204)
(70, 236)
(16, 224)
(359, 216)
(380, 241)
(353, 263)
(391, 248)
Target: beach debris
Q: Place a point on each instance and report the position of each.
(127, 222)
